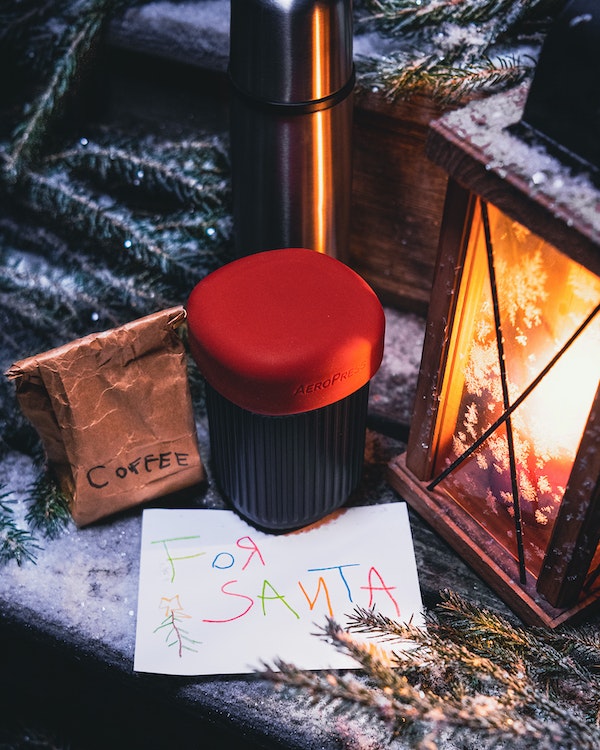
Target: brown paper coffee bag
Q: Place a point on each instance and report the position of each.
(114, 413)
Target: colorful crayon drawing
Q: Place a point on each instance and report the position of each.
(168, 544)
(233, 597)
(175, 634)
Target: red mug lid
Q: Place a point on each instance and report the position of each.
(285, 331)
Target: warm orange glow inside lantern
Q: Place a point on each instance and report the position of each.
(504, 451)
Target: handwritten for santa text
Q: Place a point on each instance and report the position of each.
(347, 582)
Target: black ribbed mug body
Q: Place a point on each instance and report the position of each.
(286, 471)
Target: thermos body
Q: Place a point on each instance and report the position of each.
(298, 167)
(292, 80)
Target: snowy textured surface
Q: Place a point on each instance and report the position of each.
(86, 580)
(83, 589)
(171, 30)
(485, 125)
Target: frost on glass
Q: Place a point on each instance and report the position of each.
(543, 297)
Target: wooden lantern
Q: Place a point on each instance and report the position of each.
(503, 458)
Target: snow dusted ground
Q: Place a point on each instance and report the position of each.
(85, 581)
(82, 589)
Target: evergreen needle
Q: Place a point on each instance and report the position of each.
(445, 681)
(147, 171)
(30, 136)
(49, 509)
(113, 227)
(15, 543)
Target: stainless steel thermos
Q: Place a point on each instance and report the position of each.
(292, 78)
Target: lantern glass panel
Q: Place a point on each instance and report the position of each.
(521, 297)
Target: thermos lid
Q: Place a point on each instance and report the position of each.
(285, 331)
(291, 51)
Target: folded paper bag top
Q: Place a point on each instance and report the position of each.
(114, 413)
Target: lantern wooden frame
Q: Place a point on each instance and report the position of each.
(486, 159)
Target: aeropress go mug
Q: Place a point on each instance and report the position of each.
(287, 341)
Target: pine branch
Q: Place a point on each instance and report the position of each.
(49, 509)
(583, 645)
(449, 680)
(4, 502)
(174, 249)
(550, 657)
(31, 134)
(432, 652)
(148, 172)
(406, 706)
(402, 16)
(16, 432)
(52, 305)
(398, 77)
(495, 650)
(111, 225)
(208, 229)
(209, 154)
(64, 295)
(349, 694)
(489, 633)
(49, 514)
(18, 18)
(15, 543)
(448, 48)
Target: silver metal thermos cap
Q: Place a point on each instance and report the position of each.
(291, 51)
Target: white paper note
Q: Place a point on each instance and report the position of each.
(216, 596)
